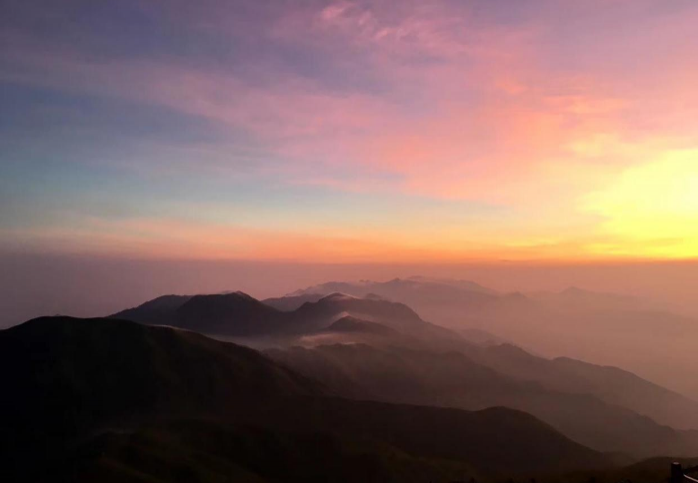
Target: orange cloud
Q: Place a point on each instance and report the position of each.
(572, 129)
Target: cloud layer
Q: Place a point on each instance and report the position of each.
(351, 131)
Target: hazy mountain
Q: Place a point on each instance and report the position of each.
(603, 328)
(419, 292)
(419, 285)
(232, 314)
(353, 325)
(290, 303)
(66, 381)
(158, 310)
(352, 330)
(655, 345)
(610, 384)
(454, 380)
(575, 297)
(239, 315)
(467, 285)
(446, 302)
(481, 337)
(390, 314)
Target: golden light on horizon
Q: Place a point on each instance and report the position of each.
(652, 209)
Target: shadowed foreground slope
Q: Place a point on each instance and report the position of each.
(452, 379)
(69, 381)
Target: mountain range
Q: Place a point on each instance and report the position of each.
(350, 343)
(113, 400)
(452, 379)
(603, 328)
(325, 387)
(237, 314)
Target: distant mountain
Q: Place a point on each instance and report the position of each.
(481, 337)
(236, 314)
(233, 314)
(352, 330)
(156, 311)
(239, 315)
(653, 344)
(395, 315)
(610, 384)
(229, 314)
(603, 328)
(418, 292)
(447, 302)
(418, 284)
(291, 303)
(468, 285)
(353, 325)
(576, 297)
(401, 375)
(112, 400)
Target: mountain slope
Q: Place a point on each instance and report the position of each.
(234, 315)
(321, 314)
(69, 380)
(576, 324)
(450, 303)
(351, 325)
(203, 451)
(610, 384)
(402, 375)
(65, 377)
(239, 315)
(291, 303)
(156, 311)
(229, 314)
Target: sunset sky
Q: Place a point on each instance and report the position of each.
(392, 131)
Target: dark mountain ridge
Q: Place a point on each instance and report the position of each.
(68, 380)
(610, 384)
(452, 379)
(579, 324)
(239, 315)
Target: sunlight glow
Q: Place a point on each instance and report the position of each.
(653, 208)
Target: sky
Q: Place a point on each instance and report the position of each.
(350, 131)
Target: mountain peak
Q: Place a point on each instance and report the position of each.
(339, 296)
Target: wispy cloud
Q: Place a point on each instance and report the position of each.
(530, 107)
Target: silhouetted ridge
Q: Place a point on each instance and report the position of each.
(228, 314)
(452, 379)
(371, 309)
(66, 379)
(238, 314)
(289, 304)
(157, 311)
(117, 369)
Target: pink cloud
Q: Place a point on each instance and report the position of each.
(469, 108)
